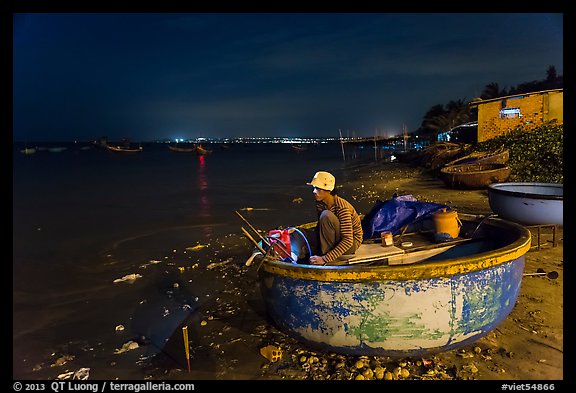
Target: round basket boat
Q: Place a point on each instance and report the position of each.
(528, 203)
(474, 176)
(435, 305)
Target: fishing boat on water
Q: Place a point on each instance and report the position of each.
(414, 298)
(57, 149)
(182, 148)
(125, 148)
(28, 150)
(201, 151)
(298, 148)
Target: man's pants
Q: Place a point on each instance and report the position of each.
(326, 235)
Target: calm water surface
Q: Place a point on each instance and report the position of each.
(84, 218)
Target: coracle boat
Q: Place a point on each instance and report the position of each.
(426, 305)
(528, 203)
(474, 176)
(437, 155)
(498, 156)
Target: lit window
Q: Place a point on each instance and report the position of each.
(509, 113)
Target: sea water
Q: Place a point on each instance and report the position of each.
(85, 217)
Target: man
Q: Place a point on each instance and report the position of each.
(339, 228)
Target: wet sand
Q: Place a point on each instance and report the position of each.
(230, 326)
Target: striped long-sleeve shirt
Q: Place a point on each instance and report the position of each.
(350, 226)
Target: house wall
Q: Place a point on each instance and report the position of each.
(534, 109)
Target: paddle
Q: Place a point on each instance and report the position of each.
(253, 229)
(253, 240)
(264, 240)
(540, 272)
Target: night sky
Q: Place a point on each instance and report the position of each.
(146, 76)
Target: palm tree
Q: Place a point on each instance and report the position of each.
(551, 74)
(492, 90)
(442, 118)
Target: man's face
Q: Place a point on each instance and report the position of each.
(320, 194)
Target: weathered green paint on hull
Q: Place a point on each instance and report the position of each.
(378, 310)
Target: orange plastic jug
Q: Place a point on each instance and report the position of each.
(447, 222)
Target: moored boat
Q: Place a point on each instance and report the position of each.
(528, 203)
(439, 303)
(201, 151)
(474, 176)
(57, 149)
(28, 150)
(182, 149)
(128, 149)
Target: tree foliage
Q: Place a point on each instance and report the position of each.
(536, 154)
(441, 118)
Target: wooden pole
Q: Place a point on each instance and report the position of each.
(342, 145)
(404, 134)
(375, 147)
(280, 244)
(253, 241)
(186, 346)
(253, 229)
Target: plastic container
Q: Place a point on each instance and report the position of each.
(280, 242)
(447, 222)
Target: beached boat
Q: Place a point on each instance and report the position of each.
(427, 305)
(498, 156)
(128, 149)
(182, 149)
(474, 176)
(437, 155)
(528, 203)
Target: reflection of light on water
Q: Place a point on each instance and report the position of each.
(203, 187)
(202, 181)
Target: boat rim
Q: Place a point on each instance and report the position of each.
(437, 269)
(490, 167)
(480, 156)
(495, 188)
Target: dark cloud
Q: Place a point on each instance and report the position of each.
(149, 76)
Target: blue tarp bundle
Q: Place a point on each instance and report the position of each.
(393, 214)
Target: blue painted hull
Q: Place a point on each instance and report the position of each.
(414, 310)
(395, 318)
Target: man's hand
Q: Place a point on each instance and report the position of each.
(317, 260)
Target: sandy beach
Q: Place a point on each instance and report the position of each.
(227, 333)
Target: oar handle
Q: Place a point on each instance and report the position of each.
(253, 240)
(283, 247)
(253, 229)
